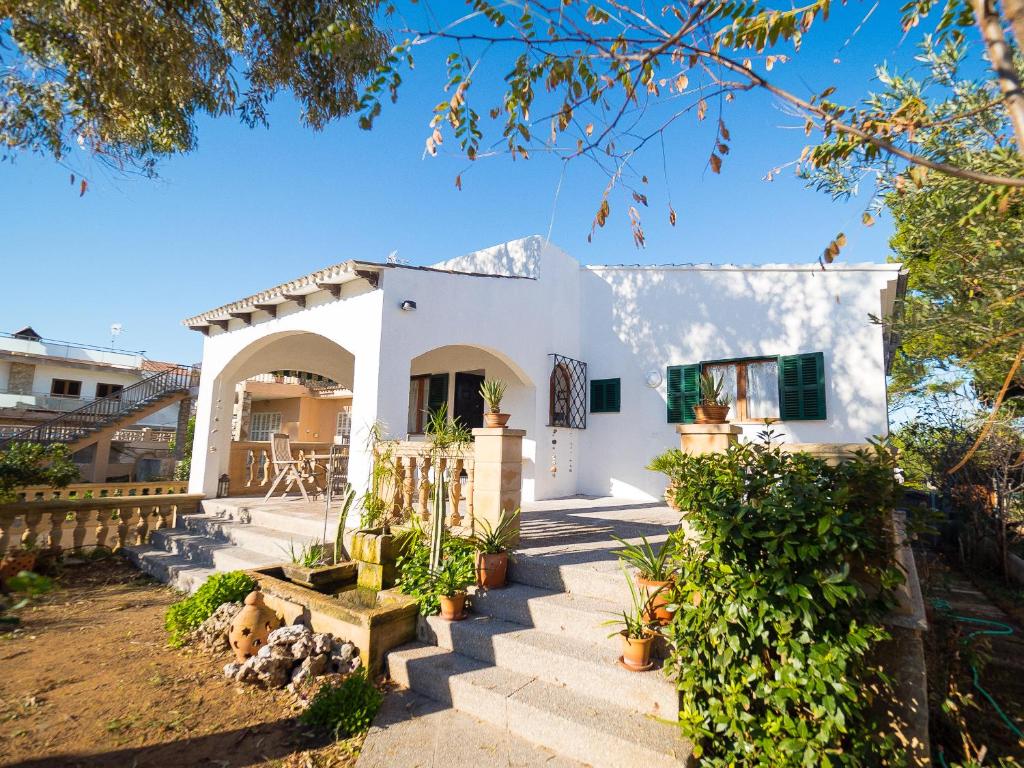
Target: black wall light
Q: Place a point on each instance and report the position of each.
(408, 305)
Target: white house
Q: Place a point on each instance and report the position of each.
(601, 360)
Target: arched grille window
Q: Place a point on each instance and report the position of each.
(568, 394)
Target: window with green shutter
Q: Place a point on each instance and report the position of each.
(802, 386)
(683, 384)
(437, 394)
(605, 395)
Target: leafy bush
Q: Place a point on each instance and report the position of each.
(344, 709)
(773, 633)
(413, 565)
(186, 615)
(34, 464)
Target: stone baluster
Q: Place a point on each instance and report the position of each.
(6, 523)
(124, 525)
(102, 518)
(80, 517)
(250, 468)
(56, 532)
(31, 533)
(455, 491)
(424, 502)
(397, 507)
(141, 532)
(409, 486)
(164, 515)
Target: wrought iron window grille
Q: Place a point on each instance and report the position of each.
(568, 393)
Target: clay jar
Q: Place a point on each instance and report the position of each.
(251, 626)
(491, 569)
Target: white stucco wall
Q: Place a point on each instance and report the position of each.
(526, 300)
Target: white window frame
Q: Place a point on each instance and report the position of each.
(266, 423)
(343, 425)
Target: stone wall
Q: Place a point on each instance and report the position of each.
(21, 379)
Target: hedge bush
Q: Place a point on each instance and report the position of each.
(344, 709)
(186, 615)
(414, 577)
(778, 601)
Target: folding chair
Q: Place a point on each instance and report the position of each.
(285, 466)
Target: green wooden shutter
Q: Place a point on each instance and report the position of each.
(605, 395)
(683, 383)
(802, 387)
(437, 394)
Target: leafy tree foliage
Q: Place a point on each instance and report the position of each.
(126, 79)
(34, 464)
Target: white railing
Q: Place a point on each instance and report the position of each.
(144, 435)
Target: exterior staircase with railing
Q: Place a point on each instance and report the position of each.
(84, 426)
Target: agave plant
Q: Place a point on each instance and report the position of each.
(492, 541)
(711, 390)
(633, 622)
(454, 575)
(492, 391)
(654, 566)
(308, 555)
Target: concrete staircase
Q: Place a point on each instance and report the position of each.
(534, 659)
(225, 537)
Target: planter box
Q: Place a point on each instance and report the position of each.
(323, 578)
(374, 551)
(375, 622)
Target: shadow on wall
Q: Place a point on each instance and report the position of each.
(644, 320)
(517, 258)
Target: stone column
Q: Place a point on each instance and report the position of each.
(498, 476)
(100, 461)
(181, 428)
(707, 438)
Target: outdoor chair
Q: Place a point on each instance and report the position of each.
(285, 467)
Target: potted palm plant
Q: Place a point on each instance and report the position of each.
(492, 391)
(450, 582)
(636, 632)
(492, 546)
(655, 575)
(714, 406)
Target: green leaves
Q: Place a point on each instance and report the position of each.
(772, 658)
(34, 464)
(186, 615)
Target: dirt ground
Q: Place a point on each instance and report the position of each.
(88, 680)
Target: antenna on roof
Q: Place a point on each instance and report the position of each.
(115, 331)
(393, 258)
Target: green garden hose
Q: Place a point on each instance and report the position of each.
(996, 628)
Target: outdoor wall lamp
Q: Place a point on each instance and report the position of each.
(408, 305)
(653, 379)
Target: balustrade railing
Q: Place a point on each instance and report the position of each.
(251, 469)
(412, 475)
(101, 490)
(76, 524)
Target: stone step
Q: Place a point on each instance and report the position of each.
(174, 570)
(274, 519)
(257, 538)
(572, 724)
(602, 579)
(587, 668)
(559, 613)
(208, 552)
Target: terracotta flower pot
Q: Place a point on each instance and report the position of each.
(15, 561)
(711, 414)
(636, 652)
(491, 570)
(453, 607)
(251, 626)
(494, 420)
(660, 595)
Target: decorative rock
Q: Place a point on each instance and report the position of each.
(212, 634)
(295, 655)
(303, 647)
(310, 667)
(288, 635)
(252, 626)
(231, 669)
(322, 642)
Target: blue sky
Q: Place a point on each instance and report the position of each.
(251, 208)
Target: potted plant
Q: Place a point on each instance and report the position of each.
(636, 632)
(492, 546)
(655, 575)
(450, 582)
(714, 406)
(492, 391)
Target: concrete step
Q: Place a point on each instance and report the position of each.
(587, 668)
(601, 579)
(257, 538)
(572, 724)
(275, 519)
(208, 552)
(174, 570)
(558, 613)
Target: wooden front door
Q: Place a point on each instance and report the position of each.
(469, 404)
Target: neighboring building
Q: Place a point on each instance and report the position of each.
(602, 361)
(42, 379)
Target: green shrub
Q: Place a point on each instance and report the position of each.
(344, 709)
(414, 577)
(186, 615)
(773, 629)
